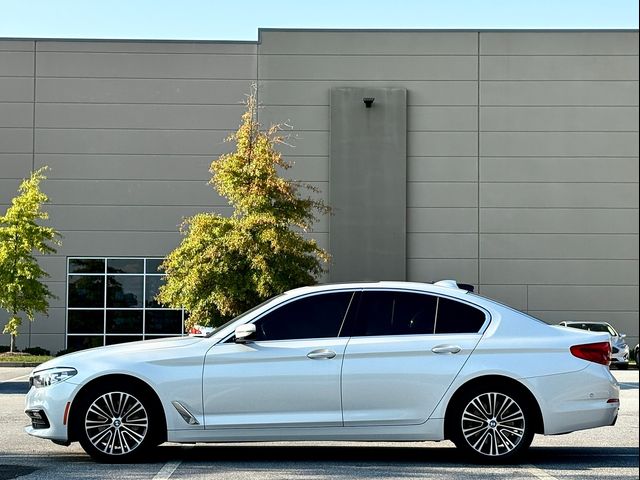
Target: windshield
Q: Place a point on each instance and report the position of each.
(243, 314)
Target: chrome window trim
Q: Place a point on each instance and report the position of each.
(481, 331)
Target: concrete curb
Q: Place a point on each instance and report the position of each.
(19, 364)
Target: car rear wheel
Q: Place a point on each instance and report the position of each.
(492, 425)
(116, 425)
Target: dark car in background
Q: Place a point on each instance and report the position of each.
(619, 348)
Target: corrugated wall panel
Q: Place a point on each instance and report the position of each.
(559, 173)
(129, 130)
(522, 148)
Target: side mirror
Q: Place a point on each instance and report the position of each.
(243, 332)
(623, 335)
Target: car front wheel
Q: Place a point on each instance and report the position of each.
(115, 425)
(492, 425)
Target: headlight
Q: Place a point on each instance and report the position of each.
(51, 376)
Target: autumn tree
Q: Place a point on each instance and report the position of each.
(226, 265)
(21, 236)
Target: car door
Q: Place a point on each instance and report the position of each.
(287, 375)
(405, 350)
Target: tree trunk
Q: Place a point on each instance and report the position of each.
(12, 345)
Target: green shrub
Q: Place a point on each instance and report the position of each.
(21, 238)
(226, 265)
(36, 351)
(65, 351)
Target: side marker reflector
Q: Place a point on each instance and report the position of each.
(66, 413)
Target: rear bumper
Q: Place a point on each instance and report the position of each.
(578, 400)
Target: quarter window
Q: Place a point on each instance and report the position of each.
(395, 313)
(317, 316)
(458, 317)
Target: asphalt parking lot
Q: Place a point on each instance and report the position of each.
(609, 452)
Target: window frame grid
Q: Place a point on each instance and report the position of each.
(104, 274)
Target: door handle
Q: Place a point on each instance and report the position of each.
(446, 349)
(321, 353)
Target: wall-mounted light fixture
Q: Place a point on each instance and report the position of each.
(368, 101)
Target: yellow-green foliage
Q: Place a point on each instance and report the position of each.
(21, 289)
(225, 266)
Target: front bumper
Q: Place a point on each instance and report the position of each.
(51, 401)
(621, 357)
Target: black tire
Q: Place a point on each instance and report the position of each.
(116, 424)
(492, 424)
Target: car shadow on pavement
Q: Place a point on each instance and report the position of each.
(302, 453)
(584, 457)
(570, 457)
(14, 387)
(628, 385)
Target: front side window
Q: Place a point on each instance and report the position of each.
(395, 313)
(317, 316)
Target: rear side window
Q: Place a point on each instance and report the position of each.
(395, 313)
(458, 317)
(318, 316)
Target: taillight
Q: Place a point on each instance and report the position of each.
(593, 352)
(195, 331)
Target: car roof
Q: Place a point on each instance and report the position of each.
(443, 287)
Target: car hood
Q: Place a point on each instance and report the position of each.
(131, 349)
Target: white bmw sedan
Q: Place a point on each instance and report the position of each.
(388, 361)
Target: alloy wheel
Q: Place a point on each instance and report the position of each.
(116, 423)
(493, 424)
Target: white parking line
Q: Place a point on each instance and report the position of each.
(538, 472)
(604, 455)
(14, 379)
(166, 471)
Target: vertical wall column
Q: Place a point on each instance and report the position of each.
(368, 183)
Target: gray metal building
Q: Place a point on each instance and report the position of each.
(504, 159)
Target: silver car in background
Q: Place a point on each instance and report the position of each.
(619, 348)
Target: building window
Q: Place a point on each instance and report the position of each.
(112, 300)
